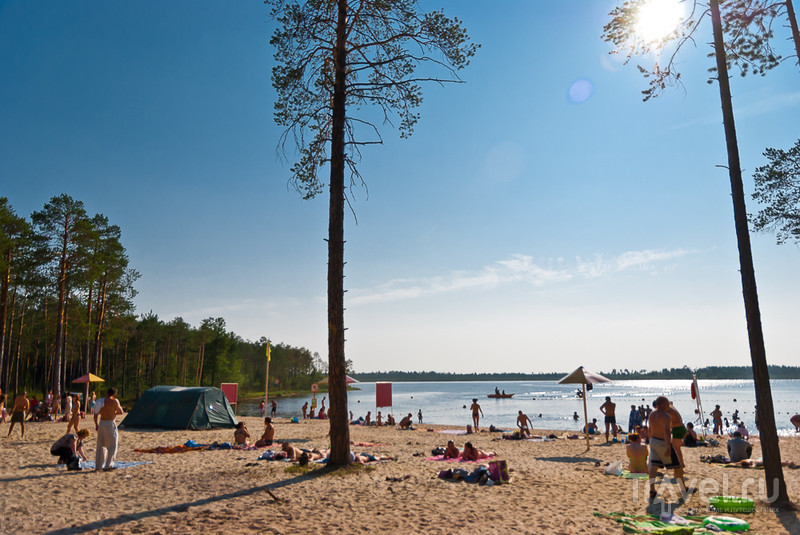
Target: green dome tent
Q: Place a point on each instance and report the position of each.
(179, 407)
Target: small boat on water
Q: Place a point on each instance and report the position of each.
(500, 396)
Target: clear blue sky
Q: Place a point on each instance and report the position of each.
(524, 227)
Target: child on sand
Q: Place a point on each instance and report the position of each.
(637, 453)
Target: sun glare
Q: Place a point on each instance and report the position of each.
(658, 18)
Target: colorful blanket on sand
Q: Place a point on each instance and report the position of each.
(674, 524)
(171, 449)
(459, 460)
(118, 465)
(191, 445)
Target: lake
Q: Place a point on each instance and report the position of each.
(551, 405)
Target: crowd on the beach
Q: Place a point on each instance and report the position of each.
(654, 437)
(69, 448)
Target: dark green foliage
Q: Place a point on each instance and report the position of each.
(748, 27)
(68, 276)
(778, 190)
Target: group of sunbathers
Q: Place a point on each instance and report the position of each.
(241, 436)
(304, 456)
(470, 452)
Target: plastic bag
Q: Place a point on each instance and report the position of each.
(614, 469)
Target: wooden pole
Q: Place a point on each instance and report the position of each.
(585, 417)
(266, 382)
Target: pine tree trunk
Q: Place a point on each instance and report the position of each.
(792, 16)
(4, 284)
(768, 433)
(62, 295)
(337, 385)
(88, 362)
(19, 347)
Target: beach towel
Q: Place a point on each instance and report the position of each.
(627, 474)
(171, 449)
(118, 465)
(191, 445)
(674, 524)
(452, 432)
(541, 439)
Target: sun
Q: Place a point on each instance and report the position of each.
(656, 19)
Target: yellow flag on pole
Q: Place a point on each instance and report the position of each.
(269, 358)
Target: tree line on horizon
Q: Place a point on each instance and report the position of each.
(708, 372)
(66, 309)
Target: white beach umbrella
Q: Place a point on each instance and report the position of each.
(583, 377)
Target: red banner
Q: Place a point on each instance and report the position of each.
(383, 394)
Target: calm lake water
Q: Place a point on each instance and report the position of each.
(551, 405)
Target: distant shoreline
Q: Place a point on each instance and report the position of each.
(710, 372)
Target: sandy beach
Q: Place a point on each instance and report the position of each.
(555, 486)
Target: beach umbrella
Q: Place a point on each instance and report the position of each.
(348, 380)
(89, 378)
(583, 377)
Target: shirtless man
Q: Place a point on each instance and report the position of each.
(107, 437)
(21, 406)
(477, 412)
(524, 423)
(405, 423)
(608, 409)
(662, 454)
(716, 414)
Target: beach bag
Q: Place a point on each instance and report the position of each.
(438, 451)
(498, 471)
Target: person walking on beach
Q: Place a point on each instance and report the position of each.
(75, 417)
(477, 412)
(662, 454)
(21, 406)
(419, 416)
(93, 403)
(716, 414)
(608, 409)
(107, 437)
(274, 409)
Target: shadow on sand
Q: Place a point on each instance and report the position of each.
(181, 507)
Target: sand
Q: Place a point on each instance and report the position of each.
(555, 487)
